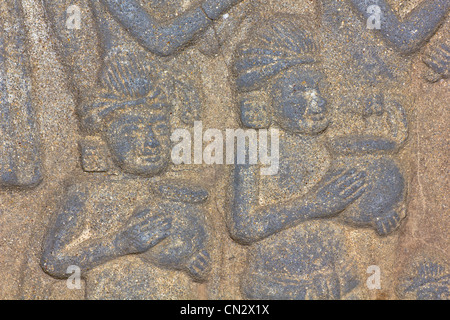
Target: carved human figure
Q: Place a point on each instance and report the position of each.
(101, 218)
(133, 209)
(407, 36)
(278, 82)
(142, 84)
(20, 152)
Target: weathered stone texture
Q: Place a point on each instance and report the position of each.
(87, 170)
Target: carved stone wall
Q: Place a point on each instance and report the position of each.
(346, 122)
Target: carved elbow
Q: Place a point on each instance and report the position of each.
(51, 265)
(242, 231)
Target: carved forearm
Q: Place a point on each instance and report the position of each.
(250, 222)
(408, 35)
(86, 256)
(161, 39)
(65, 246)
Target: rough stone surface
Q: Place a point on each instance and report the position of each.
(87, 176)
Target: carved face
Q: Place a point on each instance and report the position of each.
(140, 141)
(298, 103)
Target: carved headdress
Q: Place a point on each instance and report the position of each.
(130, 81)
(127, 81)
(274, 45)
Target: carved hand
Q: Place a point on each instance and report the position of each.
(144, 231)
(337, 190)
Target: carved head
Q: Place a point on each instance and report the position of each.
(139, 140)
(298, 104)
(279, 63)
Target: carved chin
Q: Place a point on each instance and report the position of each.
(311, 127)
(145, 166)
(317, 127)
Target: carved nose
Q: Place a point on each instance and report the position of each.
(150, 140)
(321, 104)
(317, 105)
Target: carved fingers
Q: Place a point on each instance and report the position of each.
(199, 265)
(339, 189)
(145, 230)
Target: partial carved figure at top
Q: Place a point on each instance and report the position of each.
(162, 220)
(20, 154)
(165, 38)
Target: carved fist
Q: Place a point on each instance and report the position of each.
(144, 231)
(338, 190)
(200, 265)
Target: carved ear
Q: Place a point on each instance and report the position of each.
(437, 58)
(94, 154)
(255, 109)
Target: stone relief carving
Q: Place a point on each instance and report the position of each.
(278, 71)
(126, 119)
(425, 279)
(138, 227)
(20, 154)
(437, 59)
